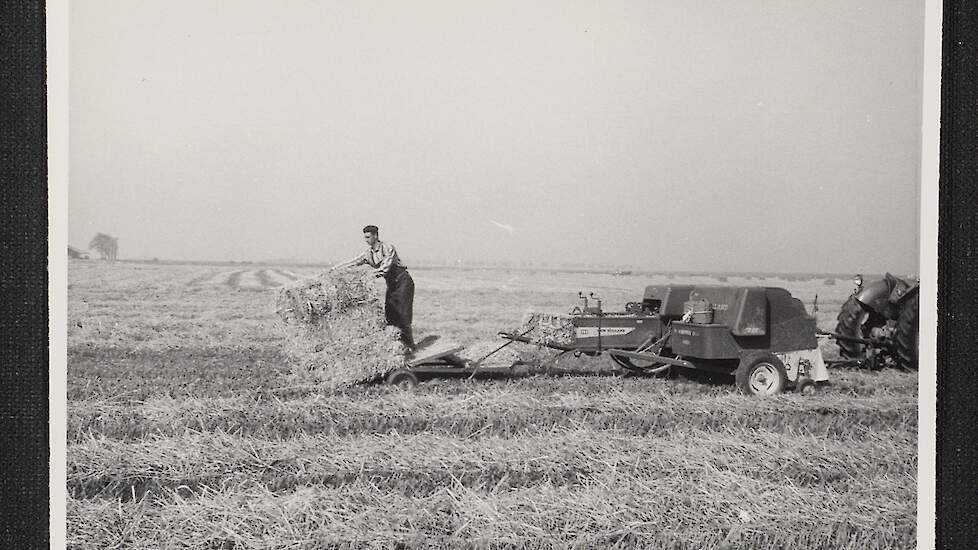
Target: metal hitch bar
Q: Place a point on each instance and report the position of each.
(646, 356)
(844, 338)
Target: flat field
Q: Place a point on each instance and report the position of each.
(185, 430)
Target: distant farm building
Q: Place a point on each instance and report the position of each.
(77, 253)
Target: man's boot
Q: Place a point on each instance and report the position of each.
(407, 336)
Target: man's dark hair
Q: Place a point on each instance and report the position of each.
(371, 229)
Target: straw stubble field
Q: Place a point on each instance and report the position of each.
(186, 430)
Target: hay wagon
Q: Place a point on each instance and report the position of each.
(435, 361)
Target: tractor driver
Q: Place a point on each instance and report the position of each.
(399, 300)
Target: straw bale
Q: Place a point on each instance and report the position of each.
(548, 328)
(335, 330)
(310, 302)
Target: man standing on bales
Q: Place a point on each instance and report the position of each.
(399, 301)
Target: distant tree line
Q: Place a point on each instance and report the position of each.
(106, 245)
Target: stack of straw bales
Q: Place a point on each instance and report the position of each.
(335, 329)
(548, 328)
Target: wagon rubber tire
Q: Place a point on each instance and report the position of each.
(855, 320)
(402, 378)
(761, 373)
(907, 335)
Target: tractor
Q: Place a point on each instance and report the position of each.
(878, 324)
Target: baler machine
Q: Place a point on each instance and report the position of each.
(762, 336)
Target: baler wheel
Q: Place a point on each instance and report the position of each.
(805, 386)
(761, 373)
(857, 321)
(402, 378)
(907, 335)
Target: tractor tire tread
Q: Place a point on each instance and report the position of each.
(850, 323)
(906, 338)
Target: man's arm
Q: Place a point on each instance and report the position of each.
(358, 260)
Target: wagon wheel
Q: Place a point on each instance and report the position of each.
(402, 378)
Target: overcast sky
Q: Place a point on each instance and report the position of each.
(722, 136)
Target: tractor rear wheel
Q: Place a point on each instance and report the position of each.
(857, 321)
(907, 335)
(761, 373)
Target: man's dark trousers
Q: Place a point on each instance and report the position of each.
(399, 303)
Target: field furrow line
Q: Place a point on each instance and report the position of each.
(100, 467)
(283, 277)
(269, 278)
(223, 279)
(233, 279)
(250, 280)
(488, 413)
(206, 279)
(613, 508)
(131, 376)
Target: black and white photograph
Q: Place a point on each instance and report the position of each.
(546, 275)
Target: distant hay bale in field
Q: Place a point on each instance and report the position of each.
(336, 332)
(548, 328)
